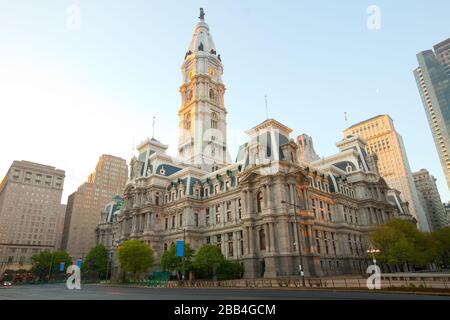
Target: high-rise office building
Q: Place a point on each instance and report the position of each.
(60, 225)
(384, 141)
(434, 208)
(84, 206)
(30, 208)
(433, 80)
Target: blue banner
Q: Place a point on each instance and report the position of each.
(61, 266)
(180, 248)
(79, 262)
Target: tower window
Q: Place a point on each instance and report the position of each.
(259, 199)
(212, 94)
(214, 119)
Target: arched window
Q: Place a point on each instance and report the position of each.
(212, 94)
(214, 119)
(348, 168)
(262, 239)
(259, 199)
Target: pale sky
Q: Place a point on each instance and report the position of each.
(68, 95)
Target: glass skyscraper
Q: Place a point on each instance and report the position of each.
(433, 79)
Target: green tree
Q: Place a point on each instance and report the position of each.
(170, 261)
(401, 243)
(441, 239)
(207, 261)
(96, 260)
(135, 257)
(46, 260)
(229, 270)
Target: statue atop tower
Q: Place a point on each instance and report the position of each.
(202, 15)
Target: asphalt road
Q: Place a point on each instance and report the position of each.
(100, 292)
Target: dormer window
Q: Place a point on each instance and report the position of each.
(349, 168)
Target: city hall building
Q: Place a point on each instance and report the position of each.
(275, 209)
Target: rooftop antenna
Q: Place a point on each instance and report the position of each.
(267, 108)
(346, 119)
(153, 128)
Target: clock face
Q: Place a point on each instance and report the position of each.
(211, 71)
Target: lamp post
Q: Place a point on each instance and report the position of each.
(297, 234)
(108, 261)
(51, 265)
(372, 251)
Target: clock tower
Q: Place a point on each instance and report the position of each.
(202, 114)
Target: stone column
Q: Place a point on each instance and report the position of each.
(265, 197)
(251, 238)
(133, 224)
(267, 237)
(269, 196)
(272, 237)
(236, 244)
(246, 244)
(149, 221)
(234, 209)
(310, 238)
(223, 213)
(244, 202)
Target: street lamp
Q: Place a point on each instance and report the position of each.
(372, 251)
(51, 265)
(300, 256)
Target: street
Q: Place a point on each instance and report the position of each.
(102, 292)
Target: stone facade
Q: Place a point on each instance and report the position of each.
(435, 209)
(259, 208)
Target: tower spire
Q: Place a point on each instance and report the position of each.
(202, 113)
